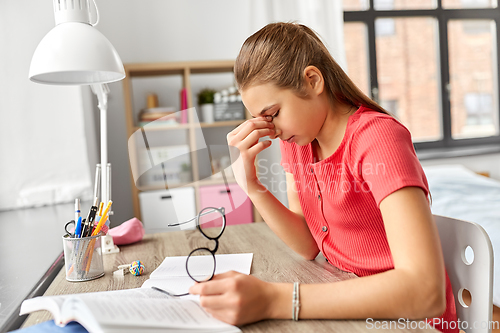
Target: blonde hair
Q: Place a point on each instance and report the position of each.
(278, 54)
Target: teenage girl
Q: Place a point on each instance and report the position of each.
(356, 192)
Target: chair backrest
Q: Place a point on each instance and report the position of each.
(466, 271)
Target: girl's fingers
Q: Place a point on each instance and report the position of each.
(242, 131)
(249, 128)
(243, 124)
(253, 151)
(212, 287)
(225, 275)
(253, 138)
(240, 126)
(216, 286)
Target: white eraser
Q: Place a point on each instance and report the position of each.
(119, 273)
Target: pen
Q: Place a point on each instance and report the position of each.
(78, 228)
(77, 209)
(90, 220)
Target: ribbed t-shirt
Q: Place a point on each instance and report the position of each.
(340, 195)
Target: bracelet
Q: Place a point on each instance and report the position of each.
(295, 302)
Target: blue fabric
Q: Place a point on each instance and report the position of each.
(51, 327)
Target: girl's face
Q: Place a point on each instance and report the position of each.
(295, 119)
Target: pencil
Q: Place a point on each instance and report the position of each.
(89, 255)
(100, 208)
(103, 219)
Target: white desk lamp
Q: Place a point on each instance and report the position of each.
(75, 53)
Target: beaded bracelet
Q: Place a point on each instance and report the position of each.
(295, 302)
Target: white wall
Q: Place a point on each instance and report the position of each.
(37, 121)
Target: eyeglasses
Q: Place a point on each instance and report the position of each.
(200, 263)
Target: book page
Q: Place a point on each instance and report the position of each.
(128, 309)
(126, 294)
(142, 312)
(176, 266)
(52, 304)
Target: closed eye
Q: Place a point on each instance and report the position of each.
(275, 114)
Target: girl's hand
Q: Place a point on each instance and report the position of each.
(244, 146)
(235, 298)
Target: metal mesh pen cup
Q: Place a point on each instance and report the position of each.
(83, 258)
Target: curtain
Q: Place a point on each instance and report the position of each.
(43, 150)
(325, 17)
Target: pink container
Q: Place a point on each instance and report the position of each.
(237, 204)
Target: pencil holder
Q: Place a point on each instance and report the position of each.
(83, 258)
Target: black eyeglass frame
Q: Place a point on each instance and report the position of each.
(204, 211)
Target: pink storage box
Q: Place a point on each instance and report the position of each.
(237, 204)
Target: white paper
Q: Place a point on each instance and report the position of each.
(176, 266)
(174, 285)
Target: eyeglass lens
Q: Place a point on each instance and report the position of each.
(211, 222)
(200, 265)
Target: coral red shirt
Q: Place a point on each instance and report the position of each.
(340, 195)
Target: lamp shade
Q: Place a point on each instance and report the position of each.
(75, 53)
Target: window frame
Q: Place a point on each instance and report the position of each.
(442, 17)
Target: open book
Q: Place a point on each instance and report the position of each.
(142, 309)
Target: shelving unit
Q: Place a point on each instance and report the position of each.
(185, 70)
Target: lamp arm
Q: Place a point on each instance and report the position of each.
(102, 91)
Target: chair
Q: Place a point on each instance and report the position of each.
(472, 272)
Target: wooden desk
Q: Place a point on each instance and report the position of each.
(273, 261)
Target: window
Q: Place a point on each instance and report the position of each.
(479, 108)
(476, 27)
(385, 27)
(433, 64)
(403, 4)
(391, 106)
(356, 4)
(448, 4)
(357, 55)
(384, 4)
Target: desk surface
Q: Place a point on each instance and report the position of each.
(273, 261)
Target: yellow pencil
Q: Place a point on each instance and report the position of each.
(100, 208)
(103, 219)
(88, 256)
(99, 226)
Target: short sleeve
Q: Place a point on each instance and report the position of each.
(285, 156)
(384, 158)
